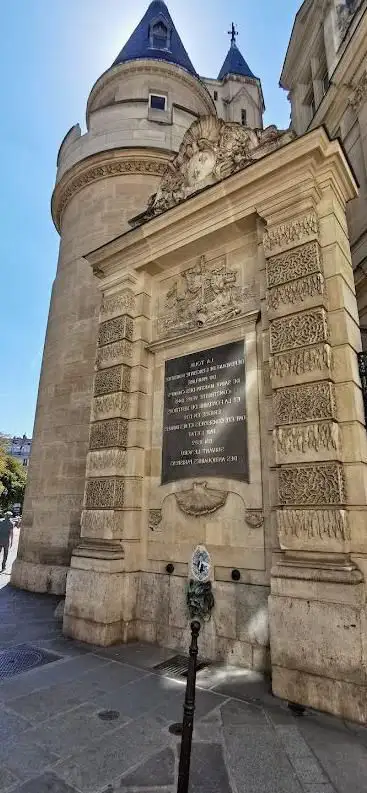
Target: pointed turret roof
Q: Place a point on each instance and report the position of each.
(235, 64)
(143, 44)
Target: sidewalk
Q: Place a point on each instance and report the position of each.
(53, 739)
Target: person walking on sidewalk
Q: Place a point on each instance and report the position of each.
(6, 536)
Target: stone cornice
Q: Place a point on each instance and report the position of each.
(144, 67)
(230, 201)
(115, 162)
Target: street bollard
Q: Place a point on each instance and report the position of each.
(188, 713)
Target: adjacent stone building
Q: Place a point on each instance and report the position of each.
(200, 415)
(325, 72)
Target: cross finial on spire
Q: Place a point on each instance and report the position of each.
(233, 33)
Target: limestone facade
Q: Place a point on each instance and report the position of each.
(295, 526)
(325, 74)
(104, 177)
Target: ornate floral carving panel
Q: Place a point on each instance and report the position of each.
(110, 406)
(285, 235)
(308, 524)
(111, 462)
(313, 286)
(106, 493)
(322, 483)
(297, 263)
(112, 432)
(109, 381)
(119, 351)
(114, 305)
(115, 329)
(316, 437)
(311, 402)
(300, 362)
(204, 294)
(298, 330)
(360, 92)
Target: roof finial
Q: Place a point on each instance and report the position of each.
(233, 33)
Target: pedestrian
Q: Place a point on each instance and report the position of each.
(6, 536)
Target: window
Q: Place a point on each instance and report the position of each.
(157, 102)
(159, 36)
(244, 118)
(215, 96)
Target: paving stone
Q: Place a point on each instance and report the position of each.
(7, 780)
(208, 772)
(172, 708)
(67, 733)
(293, 742)
(246, 685)
(158, 770)
(254, 754)
(64, 646)
(47, 783)
(240, 713)
(138, 654)
(44, 677)
(343, 759)
(41, 705)
(113, 675)
(308, 770)
(11, 725)
(139, 697)
(103, 761)
(25, 760)
(207, 733)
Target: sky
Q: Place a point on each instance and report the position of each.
(52, 51)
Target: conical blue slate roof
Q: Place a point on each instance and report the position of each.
(141, 42)
(235, 64)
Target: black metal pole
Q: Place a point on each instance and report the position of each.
(188, 713)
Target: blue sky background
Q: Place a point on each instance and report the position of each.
(52, 51)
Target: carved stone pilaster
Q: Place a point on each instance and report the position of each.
(306, 434)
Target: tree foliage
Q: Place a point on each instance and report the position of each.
(13, 477)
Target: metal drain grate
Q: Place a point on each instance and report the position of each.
(177, 666)
(22, 658)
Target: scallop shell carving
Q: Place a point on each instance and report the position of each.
(200, 499)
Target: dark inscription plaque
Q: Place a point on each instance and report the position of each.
(204, 423)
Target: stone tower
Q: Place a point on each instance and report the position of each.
(137, 114)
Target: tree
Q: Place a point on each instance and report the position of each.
(13, 478)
